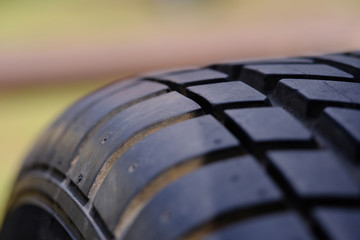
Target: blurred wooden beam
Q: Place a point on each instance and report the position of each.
(176, 48)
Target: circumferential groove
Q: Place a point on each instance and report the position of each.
(58, 175)
(100, 223)
(76, 192)
(109, 163)
(163, 180)
(41, 167)
(47, 181)
(75, 233)
(85, 108)
(90, 133)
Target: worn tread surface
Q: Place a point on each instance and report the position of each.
(345, 127)
(309, 98)
(234, 150)
(340, 223)
(272, 227)
(231, 178)
(311, 173)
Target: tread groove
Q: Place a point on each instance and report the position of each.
(339, 63)
(109, 163)
(228, 218)
(260, 148)
(294, 203)
(60, 176)
(102, 121)
(182, 89)
(73, 188)
(139, 201)
(78, 114)
(98, 220)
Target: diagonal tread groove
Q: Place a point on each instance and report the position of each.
(153, 187)
(103, 120)
(292, 201)
(228, 218)
(109, 163)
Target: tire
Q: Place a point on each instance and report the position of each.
(242, 150)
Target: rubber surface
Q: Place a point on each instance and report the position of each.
(230, 151)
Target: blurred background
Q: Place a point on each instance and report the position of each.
(53, 52)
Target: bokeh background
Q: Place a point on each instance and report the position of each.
(53, 52)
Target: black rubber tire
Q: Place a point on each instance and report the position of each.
(243, 150)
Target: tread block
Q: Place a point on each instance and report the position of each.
(116, 131)
(345, 129)
(231, 185)
(270, 127)
(308, 97)
(266, 227)
(314, 173)
(340, 223)
(347, 63)
(229, 94)
(233, 68)
(265, 77)
(189, 78)
(79, 128)
(155, 154)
